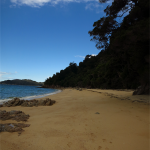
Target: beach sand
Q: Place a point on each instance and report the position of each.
(90, 119)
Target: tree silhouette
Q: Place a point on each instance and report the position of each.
(104, 27)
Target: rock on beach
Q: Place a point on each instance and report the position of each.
(28, 103)
(13, 115)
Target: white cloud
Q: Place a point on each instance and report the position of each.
(4, 74)
(39, 3)
(110, 1)
(94, 6)
(94, 55)
(84, 56)
(91, 6)
(80, 56)
(10, 78)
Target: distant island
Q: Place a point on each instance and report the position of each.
(22, 82)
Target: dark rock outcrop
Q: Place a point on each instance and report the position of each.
(28, 103)
(144, 89)
(13, 115)
(19, 115)
(80, 89)
(13, 127)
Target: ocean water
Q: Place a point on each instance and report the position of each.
(8, 92)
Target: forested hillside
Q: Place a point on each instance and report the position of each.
(123, 61)
(22, 82)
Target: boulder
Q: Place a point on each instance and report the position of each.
(25, 104)
(53, 102)
(144, 89)
(13, 127)
(41, 103)
(48, 102)
(80, 89)
(13, 115)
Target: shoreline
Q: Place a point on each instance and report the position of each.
(30, 97)
(86, 120)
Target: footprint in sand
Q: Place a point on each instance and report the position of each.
(104, 140)
(67, 136)
(99, 148)
(69, 144)
(93, 135)
(97, 113)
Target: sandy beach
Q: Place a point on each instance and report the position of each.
(91, 119)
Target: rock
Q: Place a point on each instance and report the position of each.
(2, 128)
(13, 112)
(80, 89)
(41, 102)
(13, 115)
(48, 103)
(97, 113)
(28, 103)
(25, 104)
(144, 89)
(16, 102)
(53, 102)
(2, 111)
(13, 127)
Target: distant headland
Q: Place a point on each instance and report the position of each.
(22, 82)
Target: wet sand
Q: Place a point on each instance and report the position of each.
(84, 120)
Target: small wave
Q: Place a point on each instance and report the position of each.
(30, 97)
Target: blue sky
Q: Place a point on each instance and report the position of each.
(41, 37)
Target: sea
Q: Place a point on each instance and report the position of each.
(26, 92)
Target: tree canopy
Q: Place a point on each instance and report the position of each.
(123, 61)
(104, 27)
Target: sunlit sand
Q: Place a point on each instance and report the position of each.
(84, 120)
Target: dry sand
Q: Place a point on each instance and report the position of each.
(84, 120)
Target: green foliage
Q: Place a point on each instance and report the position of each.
(124, 58)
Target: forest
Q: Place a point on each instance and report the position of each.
(123, 60)
(22, 82)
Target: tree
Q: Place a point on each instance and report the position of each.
(104, 27)
(123, 61)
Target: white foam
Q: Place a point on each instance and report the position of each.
(30, 97)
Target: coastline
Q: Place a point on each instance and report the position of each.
(85, 120)
(30, 97)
